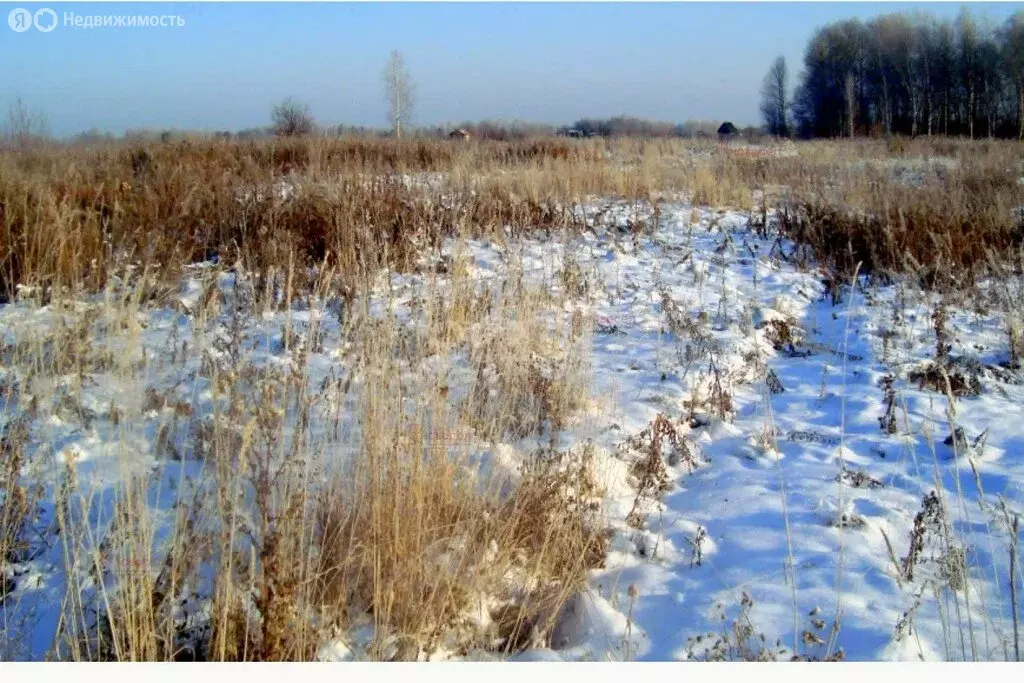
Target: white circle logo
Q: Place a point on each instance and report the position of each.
(45, 20)
(20, 20)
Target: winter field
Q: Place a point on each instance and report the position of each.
(542, 400)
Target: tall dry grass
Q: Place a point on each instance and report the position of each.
(358, 506)
(298, 508)
(69, 215)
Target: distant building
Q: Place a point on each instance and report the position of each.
(727, 131)
(459, 134)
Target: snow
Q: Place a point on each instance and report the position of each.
(764, 510)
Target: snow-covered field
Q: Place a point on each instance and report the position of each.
(783, 500)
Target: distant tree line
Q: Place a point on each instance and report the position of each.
(910, 74)
(636, 127)
(622, 125)
(491, 130)
(290, 120)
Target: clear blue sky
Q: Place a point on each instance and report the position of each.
(540, 62)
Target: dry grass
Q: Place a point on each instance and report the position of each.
(289, 533)
(16, 501)
(940, 223)
(70, 215)
(309, 508)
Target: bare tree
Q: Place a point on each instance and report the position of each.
(400, 92)
(970, 41)
(25, 127)
(774, 102)
(290, 118)
(1013, 56)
